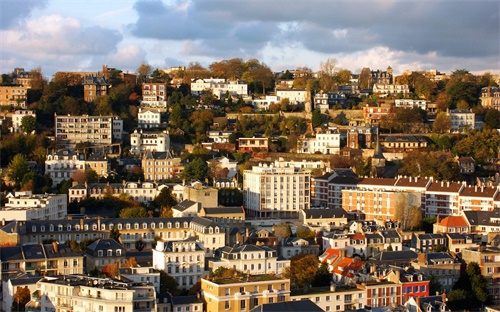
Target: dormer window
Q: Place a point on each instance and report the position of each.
(60, 227)
(136, 226)
(127, 226)
(144, 225)
(33, 228)
(42, 228)
(94, 227)
(177, 225)
(160, 225)
(99, 253)
(86, 227)
(51, 228)
(119, 226)
(68, 227)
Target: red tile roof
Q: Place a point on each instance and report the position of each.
(452, 221)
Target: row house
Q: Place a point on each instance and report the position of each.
(270, 191)
(184, 260)
(383, 293)
(413, 284)
(144, 192)
(334, 298)
(250, 258)
(323, 218)
(97, 130)
(293, 246)
(156, 141)
(253, 144)
(25, 205)
(325, 142)
(243, 293)
(385, 90)
(210, 234)
(13, 96)
(454, 242)
(488, 259)
(441, 265)
(84, 293)
(49, 259)
(403, 142)
(159, 166)
(154, 95)
(490, 97)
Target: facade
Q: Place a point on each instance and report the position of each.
(250, 258)
(93, 87)
(488, 259)
(295, 96)
(158, 166)
(441, 265)
(490, 97)
(149, 118)
(243, 293)
(224, 162)
(219, 87)
(325, 142)
(205, 195)
(141, 275)
(102, 252)
(441, 198)
(184, 260)
(99, 163)
(17, 118)
(325, 101)
(62, 164)
(403, 142)
(264, 104)
(154, 94)
(149, 141)
(13, 96)
(144, 192)
(24, 206)
(462, 120)
(344, 298)
(93, 129)
(83, 293)
(381, 294)
(276, 191)
(293, 246)
(253, 144)
(385, 90)
(361, 137)
(323, 218)
(374, 114)
(410, 103)
(383, 76)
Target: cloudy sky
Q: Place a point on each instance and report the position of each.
(73, 35)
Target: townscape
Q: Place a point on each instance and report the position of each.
(237, 188)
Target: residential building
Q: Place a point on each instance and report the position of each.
(154, 94)
(323, 218)
(325, 142)
(22, 77)
(142, 275)
(467, 165)
(11, 286)
(441, 265)
(477, 198)
(428, 242)
(48, 259)
(221, 183)
(308, 165)
(17, 118)
(381, 294)
(224, 215)
(264, 104)
(490, 97)
(149, 118)
(243, 293)
(295, 96)
(325, 101)
(451, 224)
(462, 120)
(96, 130)
(253, 144)
(219, 87)
(22, 206)
(333, 298)
(411, 103)
(483, 222)
(403, 142)
(458, 242)
(250, 258)
(441, 198)
(144, 192)
(385, 90)
(104, 251)
(292, 246)
(382, 77)
(219, 136)
(98, 163)
(159, 166)
(488, 259)
(184, 260)
(224, 163)
(270, 191)
(374, 114)
(155, 141)
(15, 96)
(413, 284)
(186, 208)
(62, 164)
(84, 293)
(337, 241)
(291, 306)
(198, 192)
(361, 136)
(93, 87)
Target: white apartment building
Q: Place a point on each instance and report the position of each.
(83, 293)
(62, 164)
(200, 85)
(94, 129)
(295, 96)
(144, 192)
(343, 299)
(24, 206)
(409, 103)
(219, 136)
(263, 104)
(184, 260)
(142, 275)
(270, 191)
(250, 258)
(17, 118)
(154, 141)
(219, 87)
(462, 120)
(154, 94)
(149, 118)
(325, 142)
(384, 90)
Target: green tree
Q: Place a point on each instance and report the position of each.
(133, 212)
(28, 123)
(283, 230)
(323, 277)
(17, 169)
(306, 233)
(140, 244)
(165, 199)
(167, 283)
(115, 234)
(21, 297)
(196, 169)
(317, 118)
(143, 71)
(492, 119)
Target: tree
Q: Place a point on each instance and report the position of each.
(327, 74)
(283, 230)
(167, 283)
(195, 170)
(165, 199)
(302, 270)
(158, 76)
(462, 104)
(21, 297)
(140, 244)
(110, 270)
(133, 212)
(408, 211)
(323, 277)
(317, 118)
(306, 233)
(114, 233)
(492, 119)
(443, 101)
(130, 263)
(17, 169)
(143, 71)
(442, 123)
(343, 76)
(365, 79)
(28, 124)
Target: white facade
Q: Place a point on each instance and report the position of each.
(25, 206)
(384, 90)
(61, 165)
(263, 104)
(183, 260)
(154, 95)
(326, 142)
(224, 162)
(280, 191)
(154, 141)
(93, 129)
(409, 103)
(296, 96)
(219, 87)
(149, 118)
(219, 136)
(462, 120)
(17, 118)
(143, 275)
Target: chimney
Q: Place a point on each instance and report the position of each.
(98, 223)
(443, 297)
(3, 222)
(55, 245)
(332, 287)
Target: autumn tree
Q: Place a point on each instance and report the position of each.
(130, 263)
(365, 79)
(443, 101)
(143, 71)
(327, 74)
(165, 199)
(306, 233)
(302, 270)
(283, 230)
(159, 76)
(87, 175)
(442, 123)
(110, 270)
(196, 169)
(408, 212)
(343, 76)
(258, 75)
(21, 297)
(492, 119)
(133, 212)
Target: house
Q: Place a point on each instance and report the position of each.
(149, 118)
(457, 242)
(99, 163)
(295, 96)
(93, 87)
(399, 258)
(483, 222)
(17, 118)
(325, 142)
(361, 136)
(159, 166)
(104, 251)
(264, 104)
(451, 224)
(346, 269)
(224, 215)
(374, 114)
(292, 246)
(467, 165)
(411, 103)
(155, 141)
(253, 144)
(154, 95)
(441, 265)
(433, 303)
(292, 306)
(385, 90)
(325, 100)
(323, 218)
(413, 284)
(62, 164)
(225, 183)
(222, 163)
(186, 208)
(428, 242)
(15, 96)
(490, 97)
(462, 120)
(141, 275)
(22, 206)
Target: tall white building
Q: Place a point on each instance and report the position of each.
(149, 118)
(62, 164)
(93, 129)
(24, 206)
(462, 120)
(276, 191)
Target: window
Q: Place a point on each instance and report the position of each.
(226, 305)
(243, 304)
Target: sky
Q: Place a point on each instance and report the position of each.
(83, 35)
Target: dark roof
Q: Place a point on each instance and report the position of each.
(481, 217)
(104, 244)
(439, 256)
(245, 248)
(96, 157)
(11, 253)
(32, 252)
(25, 280)
(314, 213)
(184, 205)
(180, 300)
(223, 210)
(390, 234)
(298, 306)
(400, 255)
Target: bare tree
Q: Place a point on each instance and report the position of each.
(408, 211)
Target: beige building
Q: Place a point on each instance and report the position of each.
(243, 293)
(197, 192)
(93, 129)
(333, 298)
(158, 166)
(488, 259)
(23, 206)
(13, 96)
(275, 191)
(83, 293)
(98, 163)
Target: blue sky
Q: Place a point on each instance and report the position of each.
(70, 35)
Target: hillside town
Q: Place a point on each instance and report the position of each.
(237, 188)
